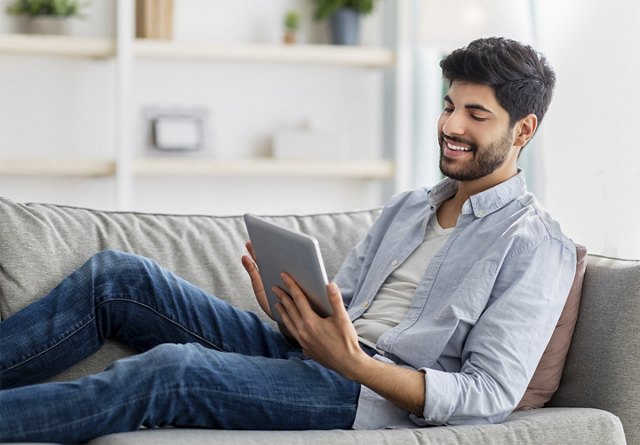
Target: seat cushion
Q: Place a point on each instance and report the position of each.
(573, 426)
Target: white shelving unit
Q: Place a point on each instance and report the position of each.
(264, 53)
(89, 47)
(277, 168)
(58, 167)
(102, 48)
(369, 170)
(126, 50)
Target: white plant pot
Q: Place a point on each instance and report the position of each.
(47, 25)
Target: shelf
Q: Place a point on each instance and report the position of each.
(377, 169)
(99, 47)
(371, 57)
(25, 44)
(275, 168)
(57, 167)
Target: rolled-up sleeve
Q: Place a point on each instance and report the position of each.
(504, 347)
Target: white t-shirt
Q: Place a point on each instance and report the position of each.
(393, 300)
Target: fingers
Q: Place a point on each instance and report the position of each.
(298, 296)
(288, 312)
(287, 305)
(250, 265)
(254, 275)
(249, 247)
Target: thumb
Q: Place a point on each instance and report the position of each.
(335, 297)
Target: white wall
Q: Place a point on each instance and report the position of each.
(590, 176)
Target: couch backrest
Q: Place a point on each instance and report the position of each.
(42, 243)
(602, 369)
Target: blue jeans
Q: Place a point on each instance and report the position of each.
(202, 362)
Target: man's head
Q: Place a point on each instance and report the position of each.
(522, 78)
(499, 90)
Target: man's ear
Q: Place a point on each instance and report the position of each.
(524, 130)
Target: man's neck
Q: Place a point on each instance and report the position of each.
(450, 209)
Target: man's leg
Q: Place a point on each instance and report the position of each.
(129, 298)
(183, 386)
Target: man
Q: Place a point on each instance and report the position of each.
(440, 315)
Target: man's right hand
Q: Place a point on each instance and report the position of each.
(250, 265)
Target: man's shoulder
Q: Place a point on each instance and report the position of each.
(535, 224)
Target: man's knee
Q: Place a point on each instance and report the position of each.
(114, 261)
(112, 270)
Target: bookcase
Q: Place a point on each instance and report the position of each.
(129, 170)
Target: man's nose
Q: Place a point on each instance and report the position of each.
(453, 124)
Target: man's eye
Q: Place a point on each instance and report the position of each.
(448, 110)
(478, 118)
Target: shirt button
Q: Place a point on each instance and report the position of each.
(394, 263)
(365, 304)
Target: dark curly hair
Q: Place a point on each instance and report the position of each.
(521, 77)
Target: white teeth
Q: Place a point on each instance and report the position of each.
(457, 148)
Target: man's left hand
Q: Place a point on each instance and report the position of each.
(331, 341)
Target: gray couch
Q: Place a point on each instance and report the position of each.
(598, 396)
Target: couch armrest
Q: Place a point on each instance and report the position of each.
(602, 368)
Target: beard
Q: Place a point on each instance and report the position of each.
(484, 162)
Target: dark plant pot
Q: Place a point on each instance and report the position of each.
(345, 27)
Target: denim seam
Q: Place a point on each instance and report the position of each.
(127, 299)
(83, 324)
(65, 336)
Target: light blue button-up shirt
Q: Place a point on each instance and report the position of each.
(484, 310)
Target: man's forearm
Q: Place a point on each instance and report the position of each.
(404, 387)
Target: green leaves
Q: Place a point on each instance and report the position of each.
(291, 21)
(54, 8)
(325, 8)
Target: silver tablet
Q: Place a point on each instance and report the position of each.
(278, 250)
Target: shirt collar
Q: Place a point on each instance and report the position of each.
(483, 203)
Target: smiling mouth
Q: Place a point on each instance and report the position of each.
(457, 147)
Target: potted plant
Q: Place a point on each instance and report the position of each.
(344, 18)
(47, 16)
(291, 23)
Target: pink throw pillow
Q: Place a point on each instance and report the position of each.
(546, 379)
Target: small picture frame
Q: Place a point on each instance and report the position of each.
(176, 131)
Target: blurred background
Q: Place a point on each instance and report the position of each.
(288, 106)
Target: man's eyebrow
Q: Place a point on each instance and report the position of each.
(470, 106)
(478, 107)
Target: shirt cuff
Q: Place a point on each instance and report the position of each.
(441, 394)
